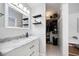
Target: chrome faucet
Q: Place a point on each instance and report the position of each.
(75, 37)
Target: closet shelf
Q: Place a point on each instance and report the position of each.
(25, 24)
(37, 23)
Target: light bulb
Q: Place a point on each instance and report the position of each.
(15, 4)
(21, 6)
(25, 9)
(28, 11)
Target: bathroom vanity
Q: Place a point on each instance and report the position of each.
(17, 16)
(73, 50)
(21, 47)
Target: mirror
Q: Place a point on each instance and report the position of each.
(17, 16)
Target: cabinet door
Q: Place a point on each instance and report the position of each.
(21, 51)
(42, 45)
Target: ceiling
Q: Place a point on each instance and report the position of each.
(53, 6)
(49, 6)
(34, 5)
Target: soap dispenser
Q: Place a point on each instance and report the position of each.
(27, 34)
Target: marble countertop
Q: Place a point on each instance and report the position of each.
(5, 47)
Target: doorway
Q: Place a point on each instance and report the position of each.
(52, 35)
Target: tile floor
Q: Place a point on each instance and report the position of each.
(52, 50)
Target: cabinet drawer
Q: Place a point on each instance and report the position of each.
(33, 48)
(33, 45)
(34, 52)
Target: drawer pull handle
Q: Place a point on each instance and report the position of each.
(32, 53)
(31, 46)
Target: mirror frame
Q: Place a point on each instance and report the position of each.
(6, 16)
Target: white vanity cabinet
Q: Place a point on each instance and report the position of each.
(29, 49)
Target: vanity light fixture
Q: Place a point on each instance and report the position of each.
(25, 9)
(15, 4)
(20, 6)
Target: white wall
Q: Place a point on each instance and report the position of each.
(73, 16)
(73, 8)
(73, 28)
(39, 29)
(63, 30)
(60, 35)
(8, 32)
